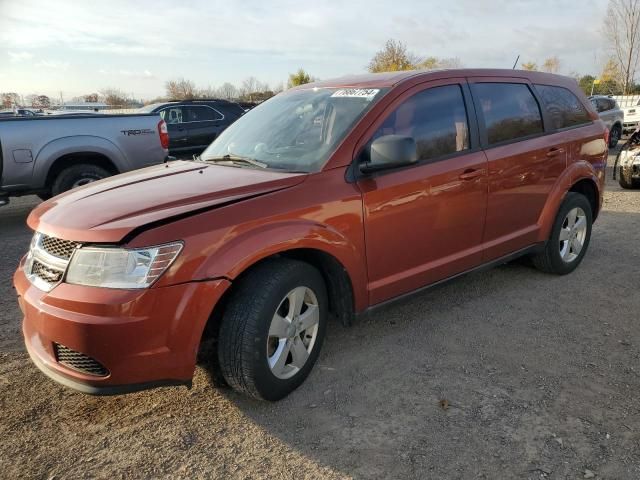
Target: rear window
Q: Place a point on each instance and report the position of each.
(564, 107)
(510, 111)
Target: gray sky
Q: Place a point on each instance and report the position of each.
(80, 47)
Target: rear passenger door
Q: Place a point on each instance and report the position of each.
(203, 125)
(524, 162)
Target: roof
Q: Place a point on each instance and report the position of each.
(389, 79)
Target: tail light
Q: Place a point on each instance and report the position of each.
(164, 134)
(606, 136)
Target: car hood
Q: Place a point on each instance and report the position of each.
(108, 210)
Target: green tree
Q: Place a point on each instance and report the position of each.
(299, 78)
(393, 57)
(531, 66)
(586, 83)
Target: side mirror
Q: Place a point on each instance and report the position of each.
(390, 151)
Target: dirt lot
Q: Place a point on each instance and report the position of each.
(541, 373)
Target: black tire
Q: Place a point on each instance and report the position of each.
(244, 332)
(549, 260)
(77, 175)
(625, 180)
(614, 136)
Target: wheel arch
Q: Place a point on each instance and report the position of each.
(580, 177)
(87, 146)
(78, 158)
(337, 279)
(589, 189)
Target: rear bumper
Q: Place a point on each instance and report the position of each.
(144, 338)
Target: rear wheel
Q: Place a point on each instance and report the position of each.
(77, 176)
(569, 237)
(614, 136)
(273, 328)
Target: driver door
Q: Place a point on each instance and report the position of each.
(424, 222)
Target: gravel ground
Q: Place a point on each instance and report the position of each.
(540, 377)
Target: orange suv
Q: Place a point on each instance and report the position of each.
(329, 199)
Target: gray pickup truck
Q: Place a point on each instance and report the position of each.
(52, 154)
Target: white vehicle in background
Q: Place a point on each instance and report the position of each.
(631, 117)
(630, 105)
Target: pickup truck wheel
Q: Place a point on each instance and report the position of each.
(614, 136)
(569, 237)
(273, 328)
(76, 176)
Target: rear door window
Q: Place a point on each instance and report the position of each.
(201, 114)
(172, 115)
(510, 111)
(436, 118)
(565, 109)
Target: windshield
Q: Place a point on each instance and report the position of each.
(295, 131)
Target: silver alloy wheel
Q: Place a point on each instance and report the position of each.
(293, 332)
(573, 234)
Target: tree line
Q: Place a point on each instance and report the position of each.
(250, 90)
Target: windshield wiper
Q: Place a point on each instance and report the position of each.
(237, 159)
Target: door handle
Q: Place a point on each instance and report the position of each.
(554, 152)
(470, 174)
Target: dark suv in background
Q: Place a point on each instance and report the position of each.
(194, 124)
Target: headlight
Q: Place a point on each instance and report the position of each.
(120, 268)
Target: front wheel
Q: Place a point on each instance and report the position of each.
(273, 328)
(569, 237)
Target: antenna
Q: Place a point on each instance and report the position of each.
(515, 63)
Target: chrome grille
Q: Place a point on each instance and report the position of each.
(45, 273)
(58, 247)
(47, 260)
(79, 361)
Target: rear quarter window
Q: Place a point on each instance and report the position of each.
(565, 109)
(510, 111)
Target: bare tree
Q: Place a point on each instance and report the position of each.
(392, 58)
(114, 97)
(181, 89)
(91, 97)
(551, 65)
(209, 92)
(249, 86)
(622, 30)
(227, 91)
(30, 99)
